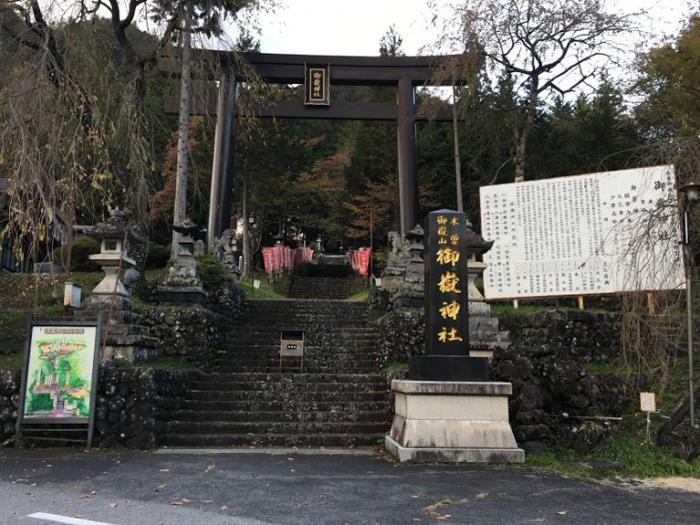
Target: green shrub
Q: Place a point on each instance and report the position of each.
(158, 256)
(80, 260)
(213, 273)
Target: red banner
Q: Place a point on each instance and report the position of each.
(280, 257)
(359, 260)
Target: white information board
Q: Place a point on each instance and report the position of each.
(587, 234)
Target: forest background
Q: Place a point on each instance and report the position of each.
(84, 130)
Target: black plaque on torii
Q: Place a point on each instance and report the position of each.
(447, 303)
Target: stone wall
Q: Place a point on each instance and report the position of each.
(192, 332)
(547, 366)
(133, 405)
(9, 401)
(131, 410)
(401, 336)
(589, 336)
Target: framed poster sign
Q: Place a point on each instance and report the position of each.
(59, 379)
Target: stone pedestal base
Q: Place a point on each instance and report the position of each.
(450, 421)
(181, 294)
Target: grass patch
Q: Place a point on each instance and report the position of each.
(395, 367)
(169, 363)
(13, 325)
(27, 290)
(267, 291)
(625, 455)
(12, 362)
(507, 309)
(361, 297)
(359, 291)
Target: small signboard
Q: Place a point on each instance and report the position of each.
(59, 381)
(292, 345)
(317, 85)
(647, 401)
(71, 295)
(446, 307)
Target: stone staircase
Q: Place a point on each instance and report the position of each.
(339, 399)
(326, 287)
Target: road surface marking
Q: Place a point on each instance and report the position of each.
(65, 519)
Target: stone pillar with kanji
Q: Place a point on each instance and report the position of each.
(448, 410)
(446, 303)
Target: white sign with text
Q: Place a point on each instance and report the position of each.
(587, 234)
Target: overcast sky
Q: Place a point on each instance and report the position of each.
(354, 27)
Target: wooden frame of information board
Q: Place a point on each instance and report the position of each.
(57, 379)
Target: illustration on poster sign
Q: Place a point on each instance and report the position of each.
(59, 373)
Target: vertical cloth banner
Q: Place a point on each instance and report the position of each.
(280, 257)
(359, 260)
(446, 306)
(268, 260)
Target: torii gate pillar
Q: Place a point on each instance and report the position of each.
(407, 155)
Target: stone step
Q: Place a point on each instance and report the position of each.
(233, 395)
(272, 440)
(276, 427)
(286, 405)
(263, 376)
(270, 336)
(274, 322)
(294, 369)
(284, 416)
(310, 365)
(235, 348)
(273, 350)
(285, 386)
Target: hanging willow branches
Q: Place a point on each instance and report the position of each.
(81, 106)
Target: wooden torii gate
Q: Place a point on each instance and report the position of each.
(317, 73)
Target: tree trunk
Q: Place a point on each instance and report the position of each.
(458, 161)
(180, 208)
(70, 242)
(245, 267)
(522, 137)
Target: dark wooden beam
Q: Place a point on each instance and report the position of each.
(345, 70)
(288, 109)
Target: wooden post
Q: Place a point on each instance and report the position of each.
(580, 302)
(222, 165)
(406, 142)
(651, 303)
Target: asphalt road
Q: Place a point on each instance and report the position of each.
(145, 488)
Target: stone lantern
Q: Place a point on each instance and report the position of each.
(485, 336)
(476, 246)
(415, 270)
(113, 256)
(182, 284)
